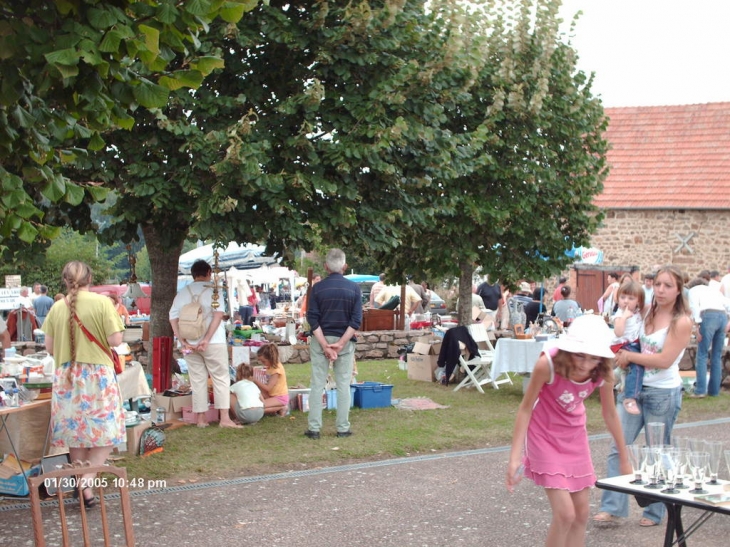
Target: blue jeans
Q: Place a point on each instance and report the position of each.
(246, 313)
(634, 374)
(712, 330)
(657, 405)
(343, 377)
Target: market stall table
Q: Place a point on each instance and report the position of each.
(675, 532)
(513, 355)
(7, 411)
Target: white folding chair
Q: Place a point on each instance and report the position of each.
(479, 370)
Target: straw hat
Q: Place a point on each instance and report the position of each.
(525, 287)
(588, 334)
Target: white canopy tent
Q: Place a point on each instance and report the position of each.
(239, 280)
(242, 257)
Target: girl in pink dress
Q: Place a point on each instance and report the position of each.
(550, 438)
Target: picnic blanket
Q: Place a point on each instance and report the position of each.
(417, 403)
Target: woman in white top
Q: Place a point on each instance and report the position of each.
(247, 404)
(664, 336)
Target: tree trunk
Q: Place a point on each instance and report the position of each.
(465, 282)
(163, 265)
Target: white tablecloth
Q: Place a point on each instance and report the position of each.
(512, 355)
(132, 382)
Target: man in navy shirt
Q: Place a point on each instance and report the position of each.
(334, 314)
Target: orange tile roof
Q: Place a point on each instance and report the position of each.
(668, 157)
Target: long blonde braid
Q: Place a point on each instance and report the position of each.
(76, 274)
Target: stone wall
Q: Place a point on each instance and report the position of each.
(379, 344)
(646, 238)
(382, 344)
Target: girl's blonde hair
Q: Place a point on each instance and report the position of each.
(632, 288)
(76, 274)
(564, 365)
(269, 352)
(244, 371)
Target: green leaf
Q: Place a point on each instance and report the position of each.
(68, 56)
(232, 13)
(96, 143)
(151, 95)
(110, 42)
(207, 64)
(200, 8)
(27, 232)
(167, 13)
(101, 18)
(151, 38)
(74, 194)
(67, 71)
(55, 189)
(182, 78)
(23, 117)
(98, 193)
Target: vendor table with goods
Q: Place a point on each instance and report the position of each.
(675, 532)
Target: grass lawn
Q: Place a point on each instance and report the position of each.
(473, 420)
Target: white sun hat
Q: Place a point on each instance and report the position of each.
(588, 334)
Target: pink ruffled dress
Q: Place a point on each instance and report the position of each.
(557, 454)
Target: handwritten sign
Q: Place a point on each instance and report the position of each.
(9, 298)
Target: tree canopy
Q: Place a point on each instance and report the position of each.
(72, 69)
(432, 136)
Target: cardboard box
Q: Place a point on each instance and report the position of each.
(173, 405)
(188, 416)
(17, 485)
(134, 434)
(423, 361)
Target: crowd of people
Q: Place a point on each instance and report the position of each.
(651, 325)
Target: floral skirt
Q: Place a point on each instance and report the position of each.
(86, 407)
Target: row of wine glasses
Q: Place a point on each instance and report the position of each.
(667, 466)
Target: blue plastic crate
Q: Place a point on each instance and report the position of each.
(372, 394)
(331, 395)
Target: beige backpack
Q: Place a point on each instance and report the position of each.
(191, 323)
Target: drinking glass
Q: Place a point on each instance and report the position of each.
(637, 462)
(682, 467)
(669, 464)
(698, 466)
(679, 442)
(714, 449)
(655, 433)
(695, 445)
(727, 460)
(652, 463)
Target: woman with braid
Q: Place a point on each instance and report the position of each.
(86, 406)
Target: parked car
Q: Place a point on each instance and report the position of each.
(437, 305)
(141, 304)
(366, 283)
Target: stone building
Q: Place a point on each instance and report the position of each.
(667, 196)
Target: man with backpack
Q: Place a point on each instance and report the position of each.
(199, 330)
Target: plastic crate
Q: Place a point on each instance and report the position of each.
(372, 395)
(331, 395)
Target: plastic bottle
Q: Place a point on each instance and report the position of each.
(14, 397)
(408, 322)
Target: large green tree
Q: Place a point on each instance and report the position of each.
(322, 127)
(539, 163)
(72, 69)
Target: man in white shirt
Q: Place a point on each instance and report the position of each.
(710, 313)
(23, 299)
(207, 355)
